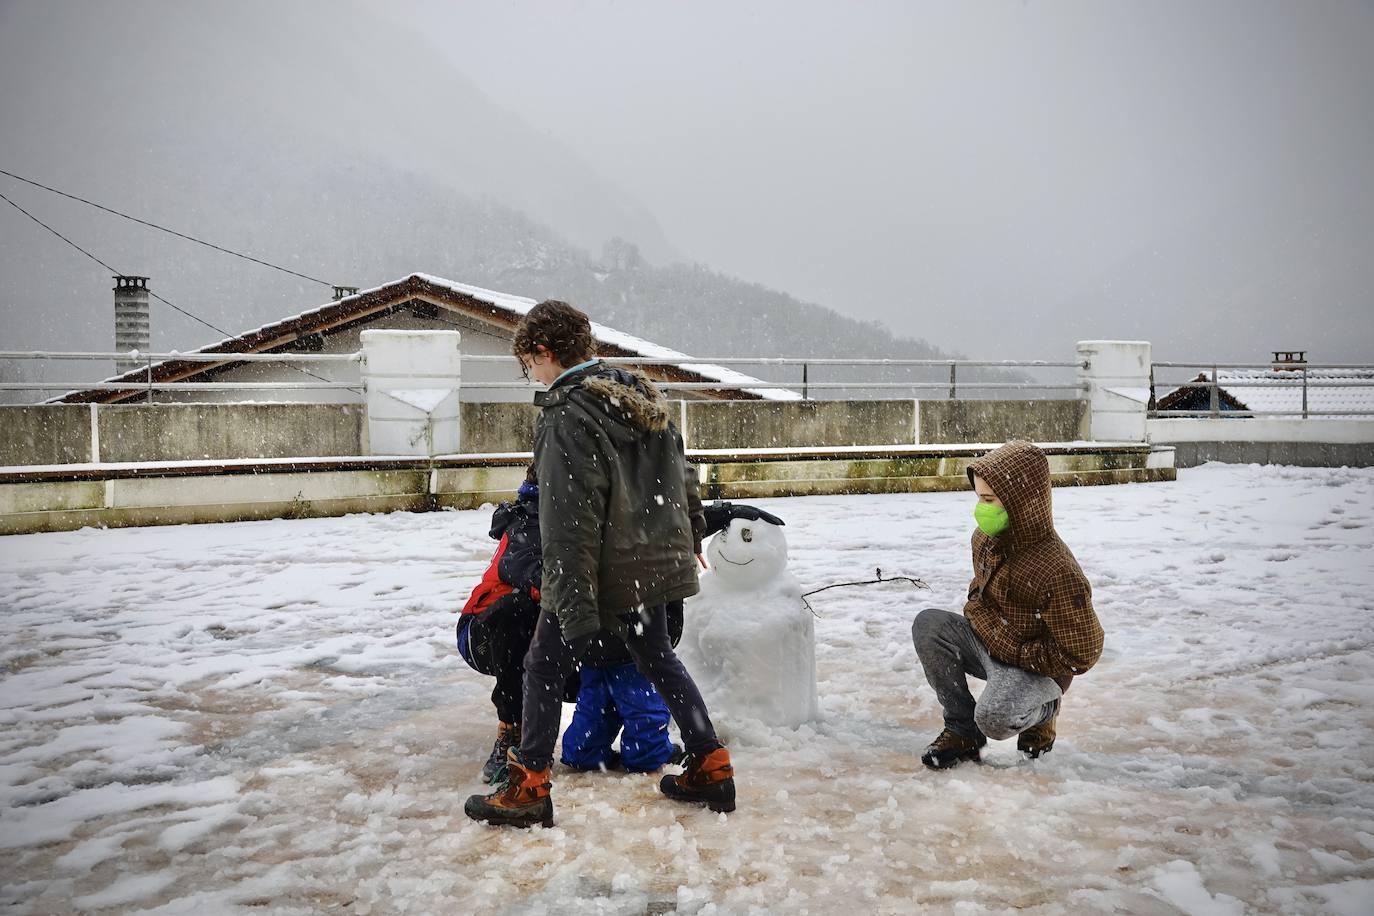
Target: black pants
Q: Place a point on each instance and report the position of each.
(550, 660)
(498, 640)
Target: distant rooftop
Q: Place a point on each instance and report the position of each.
(501, 310)
(1281, 390)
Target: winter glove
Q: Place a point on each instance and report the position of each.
(720, 514)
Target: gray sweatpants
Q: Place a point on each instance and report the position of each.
(1014, 699)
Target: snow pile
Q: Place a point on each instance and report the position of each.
(269, 717)
(747, 637)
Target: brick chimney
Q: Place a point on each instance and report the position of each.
(131, 319)
(1290, 360)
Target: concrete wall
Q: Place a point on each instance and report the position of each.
(797, 424)
(180, 432)
(1172, 430)
(907, 473)
(62, 500)
(1301, 454)
(61, 433)
(45, 434)
(493, 427)
(1000, 421)
(67, 505)
(1316, 443)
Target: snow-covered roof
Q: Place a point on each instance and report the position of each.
(1267, 391)
(497, 307)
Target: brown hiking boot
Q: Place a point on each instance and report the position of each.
(708, 780)
(507, 737)
(1038, 739)
(521, 799)
(950, 749)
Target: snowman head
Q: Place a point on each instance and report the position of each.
(748, 554)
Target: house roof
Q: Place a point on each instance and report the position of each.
(1196, 397)
(500, 310)
(1330, 392)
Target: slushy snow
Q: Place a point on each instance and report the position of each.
(270, 717)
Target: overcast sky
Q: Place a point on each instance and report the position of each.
(989, 175)
(999, 178)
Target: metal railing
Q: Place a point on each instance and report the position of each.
(1279, 377)
(150, 360)
(727, 379)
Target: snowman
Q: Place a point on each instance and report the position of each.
(748, 638)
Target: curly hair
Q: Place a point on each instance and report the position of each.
(564, 331)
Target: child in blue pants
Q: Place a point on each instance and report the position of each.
(494, 633)
(615, 698)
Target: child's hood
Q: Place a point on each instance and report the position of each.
(507, 515)
(1019, 474)
(633, 404)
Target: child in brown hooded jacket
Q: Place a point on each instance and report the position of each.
(1028, 628)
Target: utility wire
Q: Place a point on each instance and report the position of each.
(107, 266)
(58, 234)
(183, 311)
(181, 235)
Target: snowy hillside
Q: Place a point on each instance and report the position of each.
(270, 718)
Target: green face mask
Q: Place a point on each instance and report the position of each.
(992, 519)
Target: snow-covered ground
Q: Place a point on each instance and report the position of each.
(268, 717)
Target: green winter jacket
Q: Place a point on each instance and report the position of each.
(618, 508)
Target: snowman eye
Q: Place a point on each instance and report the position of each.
(746, 535)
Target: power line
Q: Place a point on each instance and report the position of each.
(183, 311)
(181, 235)
(58, 234)
(107, 266)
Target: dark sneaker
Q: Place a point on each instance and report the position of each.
(950, 750)
(708, 780)
(1038, 739)
(521, 799)
(507, 737)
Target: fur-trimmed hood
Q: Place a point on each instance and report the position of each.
(627, 397)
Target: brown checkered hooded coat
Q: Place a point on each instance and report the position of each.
(1029, 601)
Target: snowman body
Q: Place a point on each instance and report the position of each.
(748, 639)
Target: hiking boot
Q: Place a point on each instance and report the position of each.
(521, 799)
(708, 780)
(950, 750)
(1038, 739)
(507, 737)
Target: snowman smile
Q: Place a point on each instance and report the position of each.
(722, 555)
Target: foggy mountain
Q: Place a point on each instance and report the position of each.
(292, 136)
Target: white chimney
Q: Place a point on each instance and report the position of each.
(131, 319)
